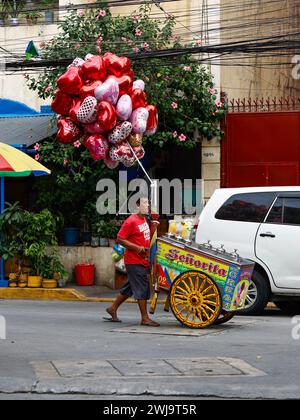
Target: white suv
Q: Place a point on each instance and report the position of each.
(263, 224)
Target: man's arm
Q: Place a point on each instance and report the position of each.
(129, 245)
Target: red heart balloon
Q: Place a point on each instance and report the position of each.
(62, 103)
(68, 132)
(125, 84)
(73, 111)
(71, 81)
(88, 89)
(118, 66)
(139, 99)
(107, 116)
(153, 117)
(139, 151)
(111, 164)
(94, 68)
(97, 146)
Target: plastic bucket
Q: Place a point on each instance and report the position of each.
(84, 274)
(71, 236)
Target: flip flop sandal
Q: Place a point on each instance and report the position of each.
(106, 318)
(150, 324)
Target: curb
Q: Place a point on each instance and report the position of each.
(64, 295)
(53, 294)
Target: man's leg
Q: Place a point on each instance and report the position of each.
(144, 314)
(112, 310)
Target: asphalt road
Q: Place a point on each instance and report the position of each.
(58, 350)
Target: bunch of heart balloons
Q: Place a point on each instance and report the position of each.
(99, 101)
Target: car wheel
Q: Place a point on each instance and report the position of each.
(257, 297)
(291, 307)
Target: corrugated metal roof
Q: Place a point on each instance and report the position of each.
(26, 129)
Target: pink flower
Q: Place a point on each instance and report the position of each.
(77, 46)
(99, 40)
(212, 91)
(145, 45)
(80, 12)
(138, 32)
(199, 43)
(65, 162)
(36, 146)
(48, 89)
(36, 157)
(42, 45)
(174, 105)
(175, 134)
(218, 104)
(186, 68)
(102, 13)
(175, 38)
(135, 50)
(182, 137)
(77, 144)
(134, 17)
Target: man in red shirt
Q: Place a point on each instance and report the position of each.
(134, 235)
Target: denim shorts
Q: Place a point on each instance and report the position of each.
(138, 283)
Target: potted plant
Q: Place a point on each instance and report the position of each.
(100, 231)
(3, 12)
(48, 7)
(11, 248)
(112, 230)
(14, 9)
(54, 271)
(32, 17)
(38, 233)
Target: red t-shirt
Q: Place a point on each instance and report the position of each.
(136, 230)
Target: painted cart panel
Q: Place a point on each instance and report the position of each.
(232, 277)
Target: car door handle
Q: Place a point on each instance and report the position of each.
(267, 235)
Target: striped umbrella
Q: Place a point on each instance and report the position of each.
(14, 163)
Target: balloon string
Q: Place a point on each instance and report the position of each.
(145, 172)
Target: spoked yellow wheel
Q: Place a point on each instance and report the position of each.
(195, 299)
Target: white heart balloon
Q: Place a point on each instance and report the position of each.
(124, 107)
(138, 84)
(139, 119)
(108, 91)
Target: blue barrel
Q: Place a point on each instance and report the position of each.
(71, 236)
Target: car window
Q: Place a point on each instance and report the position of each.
(250, 207)
(291, 212)
(276, 213)
(285, 211)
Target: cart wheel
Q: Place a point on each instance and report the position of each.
(195, 299)
(153, 303)
(224, 317)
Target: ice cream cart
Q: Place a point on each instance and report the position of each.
(204, 285)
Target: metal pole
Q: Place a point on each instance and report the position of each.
(2, 209)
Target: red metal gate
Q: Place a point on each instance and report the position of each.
(261, 148)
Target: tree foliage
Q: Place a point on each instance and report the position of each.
(182, 89)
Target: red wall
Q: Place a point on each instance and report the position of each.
(261, 149)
